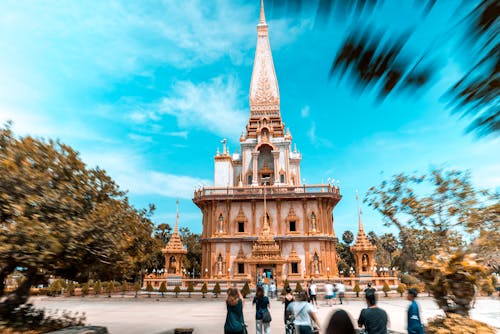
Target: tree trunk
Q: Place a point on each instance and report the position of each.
(19, 296)
(6, 271)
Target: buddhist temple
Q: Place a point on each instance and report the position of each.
(258, 217)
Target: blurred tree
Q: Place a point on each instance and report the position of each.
(441, 204)
(58, 217)
(373, 238)
(347, 237)
(163, 288)
(389, 243)
(377, 58)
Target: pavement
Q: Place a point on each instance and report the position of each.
(157, 315)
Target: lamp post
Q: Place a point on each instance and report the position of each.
(206, 272)
(328, 273)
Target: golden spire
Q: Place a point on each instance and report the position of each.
(262, 14)
(174, 245)
(176, 227)
(360, 221)
(264, 91)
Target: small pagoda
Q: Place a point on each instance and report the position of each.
(363, 250)
(174, 250)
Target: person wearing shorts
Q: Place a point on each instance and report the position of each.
(329, 294)
(312, 293)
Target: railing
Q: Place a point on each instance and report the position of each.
(270, 190)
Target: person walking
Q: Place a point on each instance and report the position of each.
(414, 320)
(261, 306)
(272, 289)
(289, 298)
(340, 323)
(235, 324)
(373, 318)
(304, 314)
(341, 291)
(313, 289)
(329, 293)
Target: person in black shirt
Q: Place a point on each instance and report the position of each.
(373, 318)
(370, 289)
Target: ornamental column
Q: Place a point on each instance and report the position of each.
(255, 158)
(276, 155)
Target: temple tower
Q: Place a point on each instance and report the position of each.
(363, 250)
(257, 217)
(174, 250)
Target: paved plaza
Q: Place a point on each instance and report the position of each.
(161, 315)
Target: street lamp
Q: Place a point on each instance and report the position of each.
(328, 273)
(206, 272)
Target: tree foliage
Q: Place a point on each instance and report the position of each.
(347, 237)
(437, 205)
(59, 217)
(377, 55)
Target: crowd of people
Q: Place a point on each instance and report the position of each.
(300, 316)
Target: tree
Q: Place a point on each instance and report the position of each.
(347, 237)
(163, 288)
(204, 289)
(149, 289)
(298, 287)
(389, 243)
(345, 258)
(373, 238)
(60, 218)
(55, 287)
(246, 289)
(217, 290)
(442, 202)
(190, 289)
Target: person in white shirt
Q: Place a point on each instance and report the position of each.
(303, 313)
(312, 293)
(329, 293)
(341, 291)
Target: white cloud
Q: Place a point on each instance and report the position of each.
(213, 106)
(129, 171)
(315, 140)
(304, 112)
(180, 134)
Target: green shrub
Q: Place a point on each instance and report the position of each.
(356, 289)
(204, 289)
(149, 289)
(386, 288)
(71, 289)
(246, 290)
(190, 289)
(163, 288)
(298, 287)
(408, 279)
(110, 288)
(124, 287)
(401, 289)
(85, 289)
(177, 290)
(285, 285)
(55, 288)
(97, 288)
(137, 288)
(216, 290)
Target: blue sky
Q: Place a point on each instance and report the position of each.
(146, 90)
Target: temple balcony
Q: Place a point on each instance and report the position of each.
(281, 192)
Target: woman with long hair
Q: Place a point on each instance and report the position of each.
(340, 323)
(261, 305)
(235, 324)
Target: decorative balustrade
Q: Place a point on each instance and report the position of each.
(258, 191)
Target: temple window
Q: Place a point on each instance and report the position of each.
(282, 178)
(241, 227)
(293, 227)
(241, 268)
(249, 179)
(295, 268)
